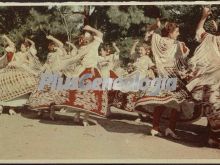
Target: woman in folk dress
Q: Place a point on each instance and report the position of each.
(10, 50)
(69, 70)
(6, 58)
(94, 101)
(58, 62)
(89, 100)
(87, 54)
(205, 80)
(20, 76)
(143, 63)
(106, 61)
(56, 55)
(169, 56)
(53, 65)
(26, 58)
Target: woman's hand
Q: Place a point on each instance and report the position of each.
(87, 28)
(206, 12)
(158, 23)
(49, 37)
(93, 30)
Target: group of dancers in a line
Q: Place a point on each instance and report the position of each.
(198, 85)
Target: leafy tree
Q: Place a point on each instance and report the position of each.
(122, 24)
(37, 22)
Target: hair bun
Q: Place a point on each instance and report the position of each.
(169, 27)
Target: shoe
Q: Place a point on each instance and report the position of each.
(155, 133)
(63, 110)
(85, 123)
(169, 132)
(40, 113)
(138, 120)
(213, 143)
(11, 112)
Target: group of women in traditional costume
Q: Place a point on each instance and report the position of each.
(19, 73)
(198, 79)
(204, 84)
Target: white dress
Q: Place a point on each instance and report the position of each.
(106, 63)
(143, 65)
(205, 83)
(19, 79)
(55, 64)
(168, 55)
(89, 54)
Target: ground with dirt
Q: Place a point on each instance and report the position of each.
(24, 136)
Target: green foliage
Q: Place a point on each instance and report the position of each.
(118, 23)
(126, 17)
(37, 22)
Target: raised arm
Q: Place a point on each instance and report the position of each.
(206, 12)
(132, 52)
(116, 54)
(152, 28)
(71, 44)
(32, 49)
(8, 40)
(115, 47)
(30, 41)
(93, 30)
(56, 41)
